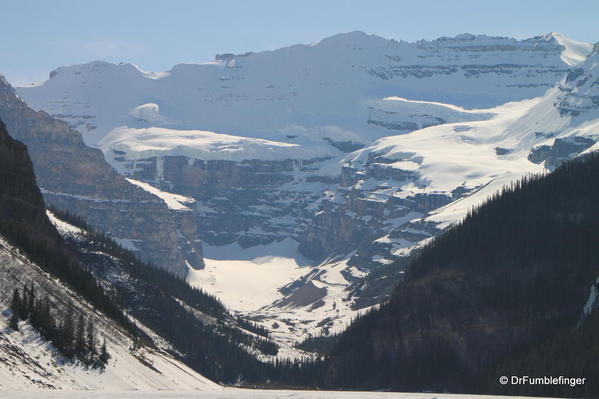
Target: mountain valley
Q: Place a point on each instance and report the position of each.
(339, 179)
(354, 213)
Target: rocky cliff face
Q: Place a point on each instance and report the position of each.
(250, 202)
(364, 214)
(76, 178)
(20, 199)
(579, 92)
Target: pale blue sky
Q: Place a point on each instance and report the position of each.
(38, 36)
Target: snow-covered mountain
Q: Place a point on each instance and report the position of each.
(457, 166)
(351, 151)
(463, 163)
(301, 90)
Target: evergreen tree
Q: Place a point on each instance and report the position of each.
(74, 339)
(104, 355)
(23, 312)
(91, 342)
(46, 320)
(67, 332)
(525, 258)
(80, 337)
(35, 313)
(15, 307)
(31, 299)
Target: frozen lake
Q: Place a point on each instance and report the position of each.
(231, 393)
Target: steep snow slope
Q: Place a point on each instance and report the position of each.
(175, 202)
(31, 363)
(574, 52)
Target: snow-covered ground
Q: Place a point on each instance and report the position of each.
(319, 305)
(249, 279)
(28, 362)
(232, 393)
(253, 281)
(449, 154)
(575, 52)
(64, 228)
(174, 202)
(456, 155)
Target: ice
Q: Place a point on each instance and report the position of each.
(234, 393)
(249, 279)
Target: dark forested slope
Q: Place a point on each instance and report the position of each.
(24, 223)
(504, 287)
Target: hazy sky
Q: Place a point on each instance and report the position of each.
(38, 36)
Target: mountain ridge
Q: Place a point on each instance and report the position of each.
(580, 50)
(386, 169)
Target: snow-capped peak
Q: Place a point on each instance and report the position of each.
(574, 52)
